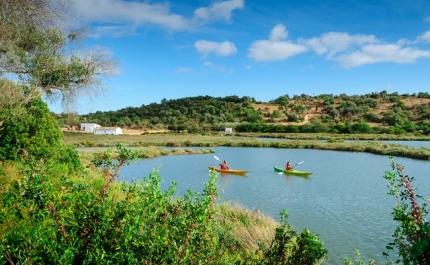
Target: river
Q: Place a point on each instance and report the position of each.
(344, 201)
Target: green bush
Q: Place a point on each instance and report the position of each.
(412, 235)
(34, 135)
(48, 219)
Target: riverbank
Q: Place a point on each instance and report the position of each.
(190, 140)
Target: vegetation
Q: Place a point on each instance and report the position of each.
(55, 211)
(378, 113)
(187, 140)
(38, 58)
(70, 218)
(411, 236)
(34, 135)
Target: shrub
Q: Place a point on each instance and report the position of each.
(412, 235)
(47, 219)
(34, 135)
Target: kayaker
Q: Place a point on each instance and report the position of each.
(288, 166)
(224, 165)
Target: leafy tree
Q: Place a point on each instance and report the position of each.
(282, 100)
(35, 135)
(362, 128)
(44, 57)
(276, 114)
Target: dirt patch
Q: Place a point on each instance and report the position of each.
(141, 131)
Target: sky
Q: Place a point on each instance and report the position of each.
(262, 49)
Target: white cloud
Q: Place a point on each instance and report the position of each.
(264, 50)
(377, 53)
(275, 49)
(225, 48)
(424, 37)
(183, 70)
(132, 14)
(248, 67)
(222, 9)
(113, 31)
(427, 18)
(217, 68)
(278, 33)
(348, 50)
(129, 12)
(334, 42)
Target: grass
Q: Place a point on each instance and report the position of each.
(247, 226)
(153, 142)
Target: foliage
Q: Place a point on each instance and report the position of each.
(359, 260)
(412, 236)
(206, 113)
(46, 218)
(34, 135)
(289, 247)
(43, 57)
(81, 225)
(361, 128)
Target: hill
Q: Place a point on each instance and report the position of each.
(403, 113)
(316, 109)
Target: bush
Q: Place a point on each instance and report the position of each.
(34, 135)
(47, 219)
(362, 128)
(412, 235)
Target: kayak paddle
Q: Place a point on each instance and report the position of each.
(298, 163)
(293, 166)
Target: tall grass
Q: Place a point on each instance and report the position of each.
(247, 227)
(185, 140)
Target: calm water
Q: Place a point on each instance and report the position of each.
(345, 201)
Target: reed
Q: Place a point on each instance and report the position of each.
(150, 146)
(247, 227)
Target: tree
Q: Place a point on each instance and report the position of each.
(35, 135)
(44, 57)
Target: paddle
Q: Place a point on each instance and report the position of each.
(294, 166)
(298, 163)
(219, 160)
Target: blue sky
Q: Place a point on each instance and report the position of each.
(262, 49)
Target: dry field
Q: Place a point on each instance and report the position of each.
(312, 109)
(142, 131)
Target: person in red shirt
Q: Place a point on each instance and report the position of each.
(288, 166)
(224, 165)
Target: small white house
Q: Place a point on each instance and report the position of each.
(228, 130)
(108, 130)
(89, 127)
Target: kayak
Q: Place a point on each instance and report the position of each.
(232, 171)
(292, 172)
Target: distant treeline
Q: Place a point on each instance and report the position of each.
(421, 128)
(394, 113)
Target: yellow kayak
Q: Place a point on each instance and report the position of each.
(292, 172)
(232, 171)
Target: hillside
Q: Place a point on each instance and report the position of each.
(315, 109)
(404, 113)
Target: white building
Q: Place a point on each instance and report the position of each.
(89, 127)
(108, 130)
(228, 130)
